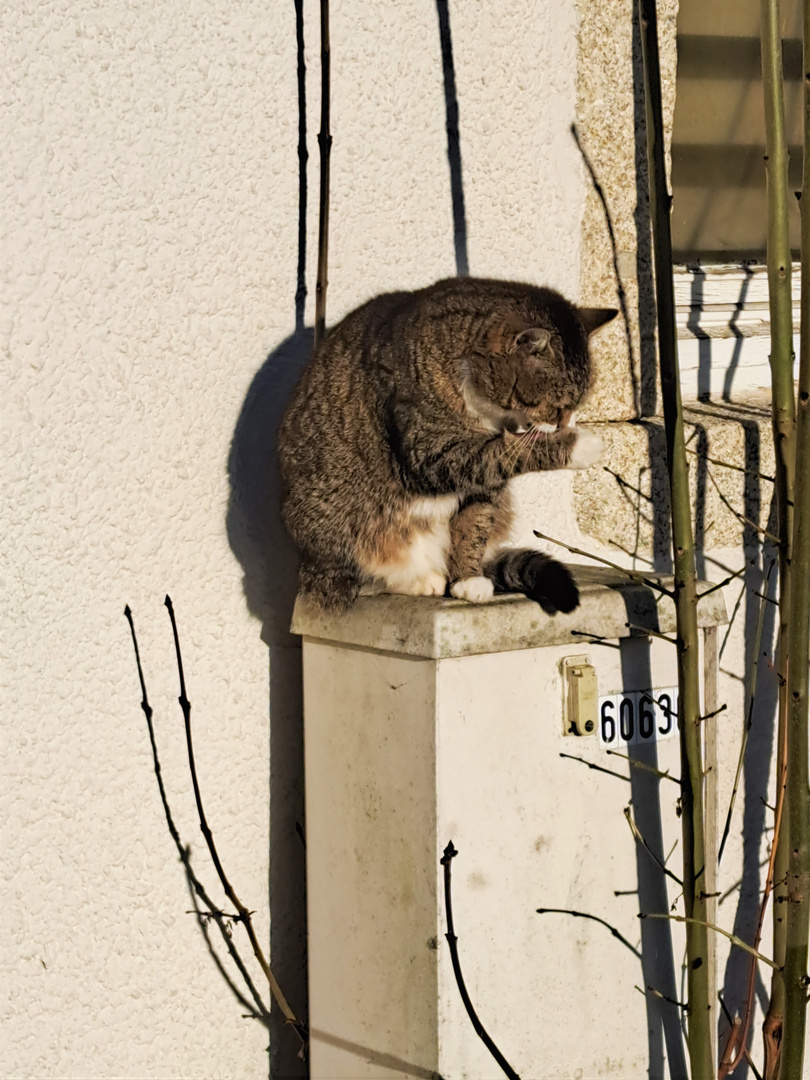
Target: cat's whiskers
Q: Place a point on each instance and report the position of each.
(514, 452)
(510, 455)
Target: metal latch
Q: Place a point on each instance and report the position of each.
(579, 681)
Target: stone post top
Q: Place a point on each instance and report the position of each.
(611, 606)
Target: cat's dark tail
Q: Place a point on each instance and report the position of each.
(537, 575)
(334, 589)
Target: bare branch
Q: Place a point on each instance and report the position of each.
(651, 633)
(731, 623)
(718, 930)
(633, 575)
(593, 918)
(734, 1023)
(749, 717)
(634, 829)
(596, 768)
(448, 856)
(643, 766)
(596, 637)
(662, 997)
(722, 584)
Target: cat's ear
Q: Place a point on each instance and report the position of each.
(595, 317)
(535, 339)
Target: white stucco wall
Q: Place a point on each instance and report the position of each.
(150, 200)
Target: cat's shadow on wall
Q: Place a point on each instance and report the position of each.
(270, 568)
(256, 533)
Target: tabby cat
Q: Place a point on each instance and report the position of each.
(407, 424)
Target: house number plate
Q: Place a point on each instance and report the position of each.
(638, 716)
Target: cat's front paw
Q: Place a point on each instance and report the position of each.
(429, 585)
(586, 451)
(476, 590)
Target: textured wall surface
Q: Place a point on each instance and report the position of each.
(150, 195)
(611, 119)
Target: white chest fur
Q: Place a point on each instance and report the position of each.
(421, 566)
(433, 508)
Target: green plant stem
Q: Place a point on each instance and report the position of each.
(798, 795)
(717, 930)
(783, 410)
(698, 1009)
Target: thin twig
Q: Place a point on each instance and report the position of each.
(651, 633)
(663, 997)
(717, 929)
(449, 854)
(734, 1022)
(632, 574)
(643, 766)
(596, 768)
(230, 892)
(749, 716)
(596, 637)
(594, 918)
(722, 584)
(634, 829)
(731, 623)
(714, 712)
(767, 599)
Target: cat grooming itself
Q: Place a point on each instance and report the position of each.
(401, 436)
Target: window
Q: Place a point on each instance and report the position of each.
(719, 210)
(718, 142)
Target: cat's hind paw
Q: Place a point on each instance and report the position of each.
(586, 451)
(477, 590)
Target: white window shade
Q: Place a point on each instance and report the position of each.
(718, 146)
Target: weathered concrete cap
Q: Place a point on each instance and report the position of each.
(611, 606)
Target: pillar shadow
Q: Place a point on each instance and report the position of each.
(657, 959)
(270, 568)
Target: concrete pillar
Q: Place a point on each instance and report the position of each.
(428, 721)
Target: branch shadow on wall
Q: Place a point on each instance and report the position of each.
(453, 140)
(759, 754)
(750, 819)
